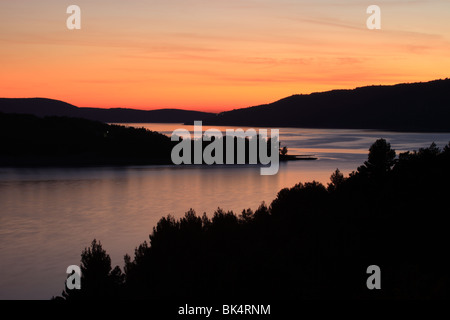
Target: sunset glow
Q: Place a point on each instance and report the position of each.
(211, 56)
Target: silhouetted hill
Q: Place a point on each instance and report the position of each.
(42, 107)
(401, 107)
(28, 140)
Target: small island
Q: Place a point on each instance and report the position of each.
(291, 157)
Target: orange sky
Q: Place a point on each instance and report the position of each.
(205, 55)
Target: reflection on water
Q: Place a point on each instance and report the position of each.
(48, 215)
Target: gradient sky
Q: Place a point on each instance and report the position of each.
(215, 55)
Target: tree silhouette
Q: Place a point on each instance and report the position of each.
(311, 242)
(98, 279)
(380, 160)
(447, 148)
(337, 178)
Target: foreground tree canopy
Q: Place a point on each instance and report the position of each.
(312, 241)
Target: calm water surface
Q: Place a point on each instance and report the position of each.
(48, 215)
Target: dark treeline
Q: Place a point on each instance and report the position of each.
(30, 140)
(311, 242)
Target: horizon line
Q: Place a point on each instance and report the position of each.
(230, 109)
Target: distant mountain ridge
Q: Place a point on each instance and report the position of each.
(42, 107)
(423, 106)
(420, 107)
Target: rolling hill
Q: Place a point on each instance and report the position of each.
(420, 107)
(403, 107)
(42, 107)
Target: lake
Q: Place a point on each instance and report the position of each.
(49, 215)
